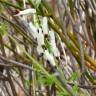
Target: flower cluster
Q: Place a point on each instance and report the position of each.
(41, 32)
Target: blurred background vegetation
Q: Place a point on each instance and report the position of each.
(25, 73)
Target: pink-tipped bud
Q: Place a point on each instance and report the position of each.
(26, 12)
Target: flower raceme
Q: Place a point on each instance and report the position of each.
(26, 12)
(39, 33)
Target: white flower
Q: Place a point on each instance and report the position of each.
(49, 57)
(26, 12)
(40, 50)
(52, 36)
(40, 37)
(56, 52)
(34, 30)
(54, 49)
(45, 25)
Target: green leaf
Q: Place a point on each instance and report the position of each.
(48, 45)
(37, 20)
(65, 93)
(36, 3)
(71, 4)
(27, 83)
(46, 80)
(3, 28)
(74, 76)
(75, 88)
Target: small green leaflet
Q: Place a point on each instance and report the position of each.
(48, 45)
(46, 80)
(3, 28)
(75, 88)
(74, 76)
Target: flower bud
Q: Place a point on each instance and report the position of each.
(40, 37)
(26, 12)
(45, 26)
(54, 49)
(40, 50)
(49, 57)
(34, 30)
